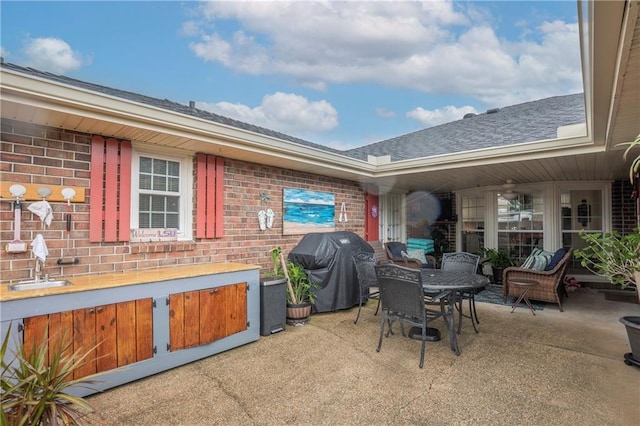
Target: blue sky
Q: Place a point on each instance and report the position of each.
(341, 74)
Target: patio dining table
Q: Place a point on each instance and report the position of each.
(447, 286)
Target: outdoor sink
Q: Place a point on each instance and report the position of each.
(35, 285)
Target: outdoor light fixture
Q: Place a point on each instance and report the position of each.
(509, 193)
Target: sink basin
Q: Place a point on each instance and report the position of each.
(35, 285)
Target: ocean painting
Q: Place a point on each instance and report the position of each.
(307, 211)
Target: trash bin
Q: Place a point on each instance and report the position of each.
(273, 305)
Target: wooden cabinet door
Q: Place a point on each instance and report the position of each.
(144, 329)
(208, 303)
(114, 335)
(107, 338)
(84, 340)
(204, 316)
(237, 309)
(191, 318)
(176, 321)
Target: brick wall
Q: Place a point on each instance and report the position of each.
(623, 207)
(48, 156)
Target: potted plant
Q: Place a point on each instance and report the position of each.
(300, 295)
(300, 290)
(499, 260)
(612, 256)
(617, 258)
(34, 384)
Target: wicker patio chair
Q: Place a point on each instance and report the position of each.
(549, 282)
(379, 251)
(401, 294)
(394, 251)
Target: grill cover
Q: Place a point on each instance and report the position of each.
(327, 259)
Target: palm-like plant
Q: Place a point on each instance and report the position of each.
(612, 255)
(634, 168)
(302, 290)
(34, 386)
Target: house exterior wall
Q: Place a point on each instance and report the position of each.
(51, 156)
(624, 216)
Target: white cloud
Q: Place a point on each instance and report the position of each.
(384, 113)
(51, 54)
(430, 46)
(439, 116)
(284, 112)
(4, 52)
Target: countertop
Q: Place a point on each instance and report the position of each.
(119, 279)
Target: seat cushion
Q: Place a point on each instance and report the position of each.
(557, 257)
(396, 250)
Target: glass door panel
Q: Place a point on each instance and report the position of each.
(473, 216)
(520, 225)
(580, 210)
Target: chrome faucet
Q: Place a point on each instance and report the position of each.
(37, 273)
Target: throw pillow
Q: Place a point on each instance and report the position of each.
(417, 254)
(538, 260)
(557, 257)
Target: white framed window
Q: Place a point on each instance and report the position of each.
(162, 194)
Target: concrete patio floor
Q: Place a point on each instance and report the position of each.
(560, 368)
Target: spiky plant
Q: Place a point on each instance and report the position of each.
(34, 386)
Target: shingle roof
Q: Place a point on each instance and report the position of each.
(526, 122)
(165, 104)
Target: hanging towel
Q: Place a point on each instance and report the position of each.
(43, 210)
(343, 213)
(39, 248)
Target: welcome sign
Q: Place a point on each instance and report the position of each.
(153, 235)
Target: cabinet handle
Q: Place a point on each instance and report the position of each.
(92, 310)
(100, 309)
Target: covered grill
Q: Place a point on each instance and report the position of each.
(327, 258)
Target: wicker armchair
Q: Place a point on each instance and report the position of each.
(379, 252)
(394, 248)
(548, 288)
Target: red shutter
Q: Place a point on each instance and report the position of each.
(110, 191)
(96, 191)
(201, 195)
(219, 188)
(209, 196)
(124, 212)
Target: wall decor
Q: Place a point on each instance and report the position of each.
(307, 211)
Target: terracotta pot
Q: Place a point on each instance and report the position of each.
(298, 314)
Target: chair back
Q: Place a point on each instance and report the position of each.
(460, 261)
(401, 291)
(394, 250)
(379, 251)
(365, 264)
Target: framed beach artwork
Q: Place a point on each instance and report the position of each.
(307, 211)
